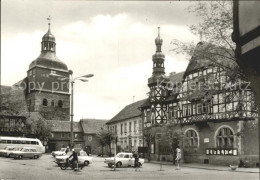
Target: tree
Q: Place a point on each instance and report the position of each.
(40, 129)
(173, 134)
(216, 25)
(101, 141)
(105, 137)
(149, 136)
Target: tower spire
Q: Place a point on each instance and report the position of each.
(49, 24)
(158, 41)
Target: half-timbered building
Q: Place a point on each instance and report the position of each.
(215, 111)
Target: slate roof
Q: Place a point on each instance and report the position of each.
(64, 126)
(130, 111)
(92, 126)
(12, 102)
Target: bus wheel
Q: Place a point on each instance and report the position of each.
(20, 157)
(35, 156)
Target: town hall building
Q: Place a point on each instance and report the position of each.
(214, 115)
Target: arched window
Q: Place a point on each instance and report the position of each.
(60, 104)
(44, 102)
(225, 137)
(52, 103)
(191, 138)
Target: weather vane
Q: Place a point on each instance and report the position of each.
(49, 19)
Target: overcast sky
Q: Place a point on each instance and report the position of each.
(113, 40)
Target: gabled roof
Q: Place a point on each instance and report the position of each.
(92, 126)
(13, 101)
(64, 126)
(130, 111)
(203, 57)
(176, 78)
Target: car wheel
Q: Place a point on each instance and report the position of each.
(20, 157)
(86, 163)
(9, 156)
(35, 156)
(63, 167)
(118, 164)
(139, 164)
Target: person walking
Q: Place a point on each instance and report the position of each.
(136, 156)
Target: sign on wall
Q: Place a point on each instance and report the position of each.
(221, 151)
(206, 140)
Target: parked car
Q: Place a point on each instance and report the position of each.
(83, 158)
(123, 159)
(9, 153)
(27, 152)
(61, 152)
(7, 148)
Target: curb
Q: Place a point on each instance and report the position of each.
(206, 168)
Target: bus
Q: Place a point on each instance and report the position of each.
(20, 142)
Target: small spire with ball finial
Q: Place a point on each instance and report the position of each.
(49, 19)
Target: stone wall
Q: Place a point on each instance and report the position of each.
(50, 112)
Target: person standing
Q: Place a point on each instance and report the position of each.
(67, 149)
(178, 156)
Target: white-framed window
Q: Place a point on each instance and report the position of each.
(199, 108)
(225, 137)
(191, 138)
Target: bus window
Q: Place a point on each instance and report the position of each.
(28, 142)
(23, 142)
(9, 142)
(3, 141)
(33, 142)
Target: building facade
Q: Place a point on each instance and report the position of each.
(127, 127)
(216, 115)
(84, 133)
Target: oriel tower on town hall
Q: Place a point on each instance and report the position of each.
(157, 83)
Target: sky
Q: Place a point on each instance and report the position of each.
(114, 40)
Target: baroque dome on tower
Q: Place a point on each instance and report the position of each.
(48, 58)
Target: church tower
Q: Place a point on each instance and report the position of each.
(45, 92)
(157, 84)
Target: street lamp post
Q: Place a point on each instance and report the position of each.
(72, 81)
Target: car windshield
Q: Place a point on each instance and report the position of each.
(63, 149)
(11, 148)
(82, 153)
(120, 155)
